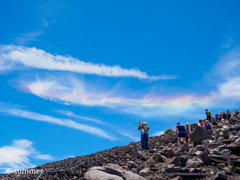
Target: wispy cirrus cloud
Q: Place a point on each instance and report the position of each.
(14, 57)
(158, 133)
(62, 122)
(71, 114)
(164, 105)
(27, 37)
(74, 91)
(45, 22)
(18, 155)
(115, 128)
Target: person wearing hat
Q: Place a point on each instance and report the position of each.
(210, 129)
(181, 133)
(188, 131)
(144, 136)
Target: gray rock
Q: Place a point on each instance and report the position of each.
(183, 160)
(215, 151)
(140, 154)
(194, 163)
(111, 172)
(201, 147)
(198, 153)
(176, 162)
(199, 135)
(131, 165)
(144, 172)
(192, 151)
(195, 170)
(158, 157)
(221, 165)
(225, 151)
(205, 158)
(221, 175)
(193, 126)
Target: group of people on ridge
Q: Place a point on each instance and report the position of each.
(183, 132)
(226, 115)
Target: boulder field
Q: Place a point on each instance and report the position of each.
(202, 158)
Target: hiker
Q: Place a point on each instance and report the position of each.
(228, 114)
(144, 134)
(210, 129)
(181, 133)
(208, 113)
(188, 131)
(220, 116)
(235, 113)
(224, 116)
(201, 123)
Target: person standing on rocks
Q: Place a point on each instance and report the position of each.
(188, 131)
(235, 113)
(210, 129)
(181, 133)
(228, 114)
(220, 116)
(144, 134)
(224, 116)
(208, 113)
(201, 123)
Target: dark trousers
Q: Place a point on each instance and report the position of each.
(209, 118)
(144, 141)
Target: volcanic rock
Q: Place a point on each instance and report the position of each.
(145, 172)
(221, 165)
(199, 135)
(176, 162)
(221, 175)
(194, 163)
(111, 172)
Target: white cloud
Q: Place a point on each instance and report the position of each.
(18, 155)
(27, 37)
(62, 122)
(159, 133)
(225, 75)
(14, 57)
(45, 22)
(129, 135)
(74, 91)
(115, 128)
(45, 157)
(71, 114)
(227, 43)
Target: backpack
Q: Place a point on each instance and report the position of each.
(208, 113)
(145, 126)
(208, 126)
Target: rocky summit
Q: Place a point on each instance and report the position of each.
(202, 158)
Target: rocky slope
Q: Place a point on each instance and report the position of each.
(202, 158)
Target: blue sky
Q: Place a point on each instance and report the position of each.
(76, 77)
